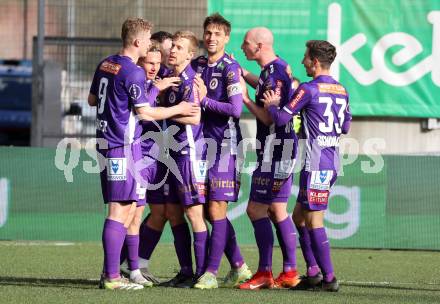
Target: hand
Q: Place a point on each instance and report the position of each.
(188, 108)
(167, 82)
(270, 99)
(244, 90)
(200, 87)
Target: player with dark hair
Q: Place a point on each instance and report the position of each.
(222, 109)
(323, 103)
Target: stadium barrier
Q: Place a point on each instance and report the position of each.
(395, 207)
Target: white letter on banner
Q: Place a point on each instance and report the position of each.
(351, 218)
(73, 160)
(4, 201)
(374, 154)
(94, 155)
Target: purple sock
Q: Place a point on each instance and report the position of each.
(306, 249)
(124, 253)
(148, 241)
(232, 251)
(287, 233)
(281, 241)
(113, 236)
(217, 245)
(182, 245)
(264, 237)
(200, 251)
(132, 242)
(321, 249)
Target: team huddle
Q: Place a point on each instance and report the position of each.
(168, 130)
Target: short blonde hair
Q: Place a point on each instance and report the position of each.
(155, 47)
(193, 41)
(132, 27)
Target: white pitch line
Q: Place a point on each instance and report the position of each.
(8, 243)
(386, 283)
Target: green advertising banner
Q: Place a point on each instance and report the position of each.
(55, 195)
(388, 50)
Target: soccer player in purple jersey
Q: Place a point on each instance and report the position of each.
(154, 173)
(272, 179)
(222, 109)
(165, 41)
(118, 91)
(186, 187)
(323, 103)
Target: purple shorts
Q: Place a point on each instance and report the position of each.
(224, 180)
(154, 178)
(188, 186)
(314, 188)
(118, 183)
(272, 183)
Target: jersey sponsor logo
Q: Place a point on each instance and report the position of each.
(227, 60)
(271, 69)
(261, 181)
(172, 97)
(216, 74)
(135, 91)
(116, 169)
(277, 184)
(318, 197)
(261, 191)
(234, 89)
(278, 86)
(200, 170)
(320, 180)
(217, 183)
(213, 83)
(297, 98)
(284, 168)
(230, 76)
(110, 67)
(328, 141)
(331, 88)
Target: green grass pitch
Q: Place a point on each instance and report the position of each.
(68, 273)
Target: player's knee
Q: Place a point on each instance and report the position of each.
(157, 219)
(253, 212)
(174, 217)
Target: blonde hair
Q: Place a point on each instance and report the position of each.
(132, 27)
(193, 41)
(154, 47)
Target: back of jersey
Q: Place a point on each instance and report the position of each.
(325, 118)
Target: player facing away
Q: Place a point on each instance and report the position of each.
(186, 186)
(118, 92)
(272, 179)
(222, 109)
(323, 103)
(154, 173)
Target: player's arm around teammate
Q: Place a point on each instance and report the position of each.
(324, 105)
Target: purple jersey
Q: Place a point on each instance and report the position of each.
(323, 103)
(275, 76)
(119, 86)
(224, 101)
(187, 136)
(164, 71)
(151, 130)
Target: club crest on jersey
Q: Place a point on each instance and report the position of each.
(135, 91)
(200, 170)
(221, 66)
(320, 180)
(116, 169)
(230, 77)
(172, 97)
(213, 83)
